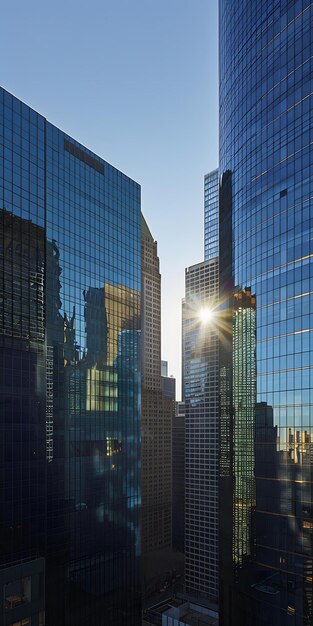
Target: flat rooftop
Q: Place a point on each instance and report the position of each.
(188, 614)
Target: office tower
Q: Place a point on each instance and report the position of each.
(70, 286)
(164, 368)
(200, 394)
(211, 192)
(178, 478)
(266, 244)
(157, 413)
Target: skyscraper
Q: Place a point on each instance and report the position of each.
(70, 287)
(200, 377)
(211, 192)
(157, 412)
(266, 251)
(200, 394)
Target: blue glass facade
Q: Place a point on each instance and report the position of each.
(211, 192)
(70, 371)
(266, 161)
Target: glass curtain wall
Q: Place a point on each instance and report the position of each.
(266, 152)
(69, 331)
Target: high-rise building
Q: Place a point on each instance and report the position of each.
(200, 394)
(266, 251)
(70, 282)
(211, 192)
(164, 368)
(157, 412)
(200, 375)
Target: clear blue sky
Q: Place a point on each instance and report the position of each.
(135, 81)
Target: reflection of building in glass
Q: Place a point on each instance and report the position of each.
(101, 389)
(96, 327)
(122, 305)
(266, 460)
(200, 394)
(22, 278)
(265, 229)
(70, 388)
(22, 417)
(243, 431)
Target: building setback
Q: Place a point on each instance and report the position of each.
(70, 286)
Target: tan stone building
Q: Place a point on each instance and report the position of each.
(157, 413)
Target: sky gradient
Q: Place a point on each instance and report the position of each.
(135, 81)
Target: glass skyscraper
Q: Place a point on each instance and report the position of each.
(266, 250)
(200, 393)
(200, 390)
(70, 286)
(211, 192)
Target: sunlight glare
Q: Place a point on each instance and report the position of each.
(205, 315)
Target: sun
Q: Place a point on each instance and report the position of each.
(205, 315)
